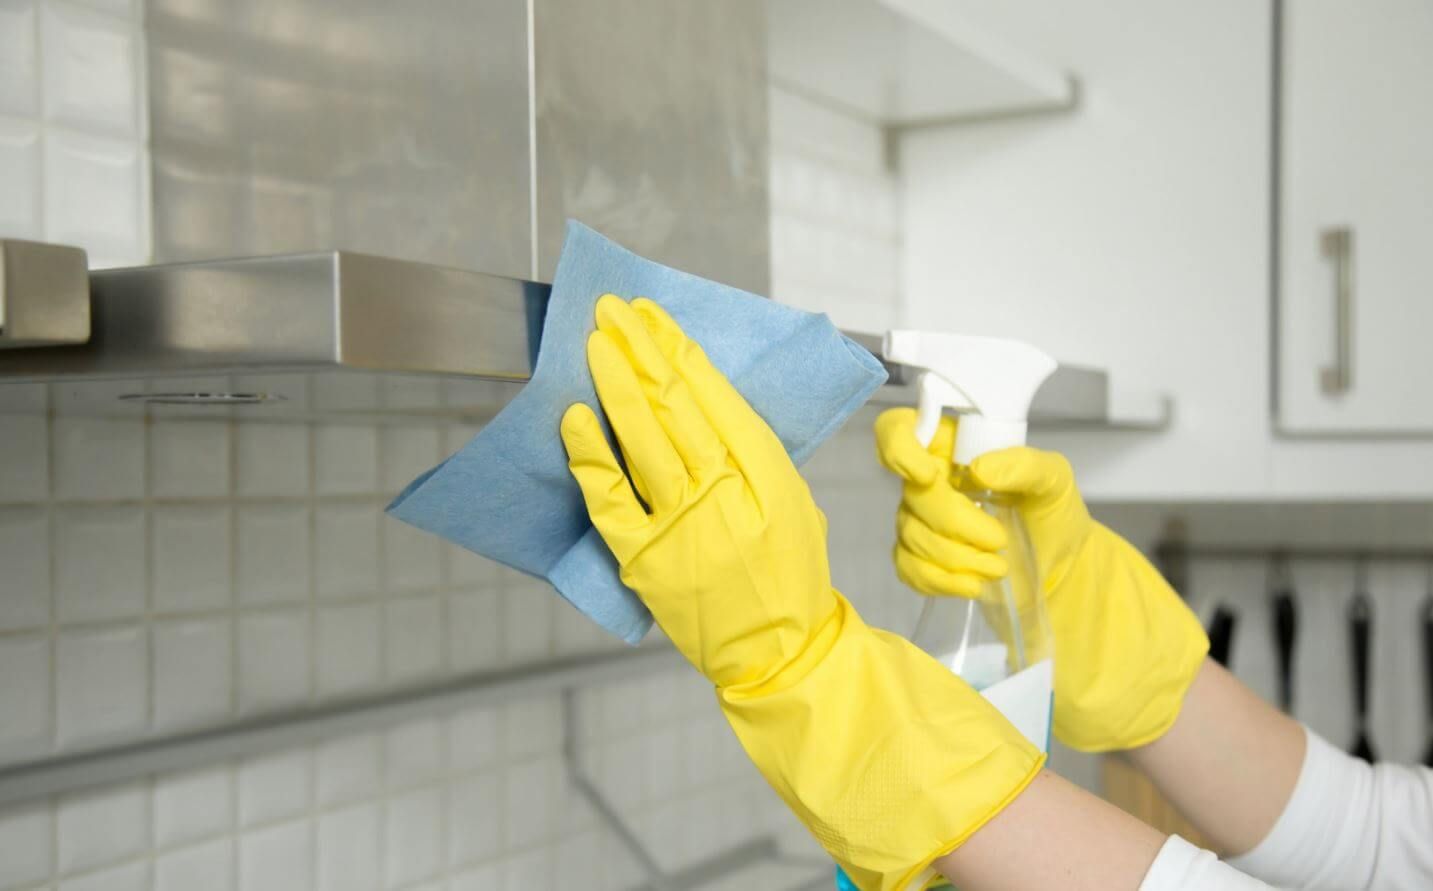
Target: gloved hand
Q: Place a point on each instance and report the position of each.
(889, 759)
(1126, 646)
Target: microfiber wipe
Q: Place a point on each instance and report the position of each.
(508, 495)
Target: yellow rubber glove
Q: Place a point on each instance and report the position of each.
(889, 759)
(1126, 646)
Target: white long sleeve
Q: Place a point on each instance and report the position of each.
(1181, 866)
(1350, 826)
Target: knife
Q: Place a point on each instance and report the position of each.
(1360, 616)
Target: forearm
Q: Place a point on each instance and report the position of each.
(1054, 835)
(1229, 763)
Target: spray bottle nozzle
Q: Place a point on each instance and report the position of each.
(992, 378)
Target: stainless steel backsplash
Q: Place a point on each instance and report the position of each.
(406, 129)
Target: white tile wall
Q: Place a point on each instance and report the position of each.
(835, 238)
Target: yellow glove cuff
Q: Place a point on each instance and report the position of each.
(1139, 649)
(887, 757)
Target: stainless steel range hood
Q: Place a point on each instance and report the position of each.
(302, 336)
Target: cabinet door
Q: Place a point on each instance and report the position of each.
(1356, 305)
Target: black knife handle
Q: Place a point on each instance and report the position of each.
(1286, 626)
(1428, 654)
(1360, 614)
(1221, 634)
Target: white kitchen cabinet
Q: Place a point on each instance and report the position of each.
(1134, 235)
(1357, 218)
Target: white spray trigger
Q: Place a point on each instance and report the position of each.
(934, 393)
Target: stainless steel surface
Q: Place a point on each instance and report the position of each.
(54, 776)
(651, 126)
(435, 334)
(305, 311)
(44, 294)
(1337, 245)
(461, 133)
(298, 125)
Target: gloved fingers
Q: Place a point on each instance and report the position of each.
(620, 519)
(749, 441)
(927, 578)
(650, 454)
(949, 554)
(946, 510)
(1026, 472)
(671, 400)
(901, 453)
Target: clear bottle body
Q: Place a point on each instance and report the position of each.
(1003, 631)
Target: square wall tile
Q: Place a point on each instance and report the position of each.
(99, 563)
(532, 726)
(19, 59)
(19, 218)
(192, 673)
(273, 660)
(407, 453)
(191, 806)
(96, 197)
(189, 459)
(273, 787)
(273, 459)
(347, 459)
(475, 629)
(98, 459)
(203, 867)
(350, 649)
(24, 449)
(273, 557)
(475, 738)
(410, 392)
(99, 828)
(530, 869)
(25, 554)
(414, 836)
(348, 769)
(103, 685)
(346, 554)
(488, 877)
(412, 557)
(348, 846)
(341, 391)
(91, 74)
(415, 752)
(192, 561)
(25, 845)
(24, 697)
(279, 858)
(471, 570)
(477, 825)
(528, 621)
(531, 808)
(130, 877)
(413, 638)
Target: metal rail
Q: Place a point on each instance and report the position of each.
(68, 773)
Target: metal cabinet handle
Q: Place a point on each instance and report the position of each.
(1337, 245)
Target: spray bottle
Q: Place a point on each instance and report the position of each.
(1001, 642)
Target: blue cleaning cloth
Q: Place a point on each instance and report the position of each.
(508, 495)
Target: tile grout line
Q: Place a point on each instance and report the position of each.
(311, 510)
(52, 803)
